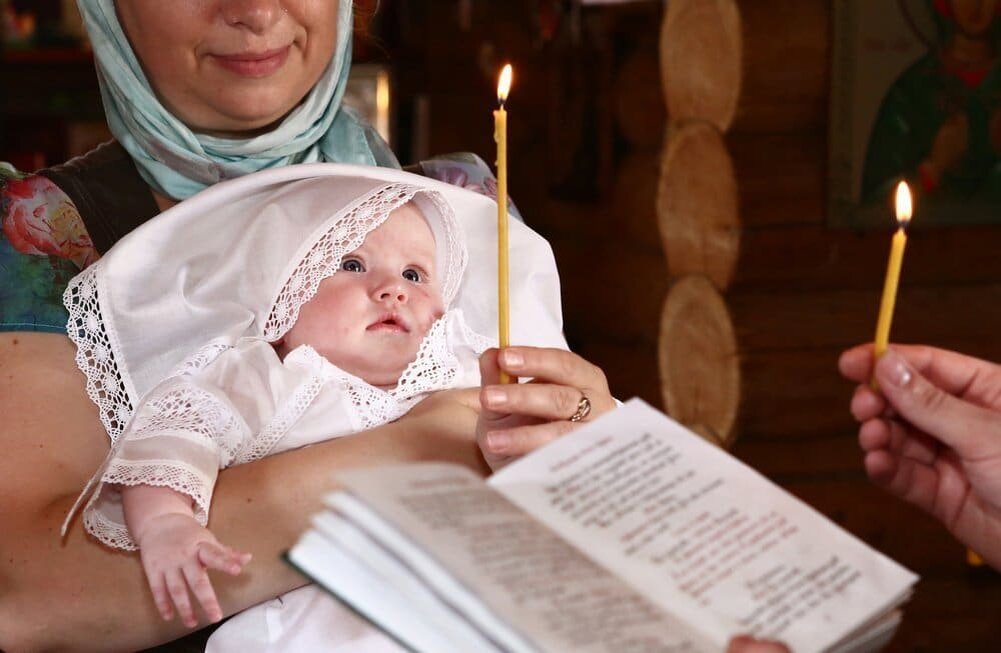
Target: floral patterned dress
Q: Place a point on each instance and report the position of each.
(44, 242)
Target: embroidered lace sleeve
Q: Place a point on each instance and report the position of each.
(179, 437)
(221, 406)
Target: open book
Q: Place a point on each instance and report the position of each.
(629, 534)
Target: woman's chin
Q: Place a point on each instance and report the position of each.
(242, 124)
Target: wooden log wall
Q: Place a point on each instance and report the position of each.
(697, 215)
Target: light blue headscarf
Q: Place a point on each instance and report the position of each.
(178, 162)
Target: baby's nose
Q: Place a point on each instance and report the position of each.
(392, 290)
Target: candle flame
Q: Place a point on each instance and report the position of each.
(903, 203)
(504, 85)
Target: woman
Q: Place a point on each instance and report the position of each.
(208, 90)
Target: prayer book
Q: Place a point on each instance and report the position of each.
(629, 534)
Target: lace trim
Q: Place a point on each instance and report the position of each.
(475, 341)
(435, 367)
(200, 359)
(175, 410)
(197, 414)
(457, 255)
(95, 352)
(323, 258)
(282, 421)
(109, 532)
(160, 473)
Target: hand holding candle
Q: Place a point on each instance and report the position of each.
(904, 211)
(500, 136)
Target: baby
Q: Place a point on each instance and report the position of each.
(352, 340)
(368, 320)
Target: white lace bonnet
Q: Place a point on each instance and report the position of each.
(139, 312)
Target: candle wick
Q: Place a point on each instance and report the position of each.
(501, 102)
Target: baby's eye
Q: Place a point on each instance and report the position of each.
(411, 274)
(352, 265)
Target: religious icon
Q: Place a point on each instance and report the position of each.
(917, 97)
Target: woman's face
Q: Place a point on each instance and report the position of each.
(228, 67)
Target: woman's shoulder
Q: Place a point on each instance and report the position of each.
(40, 219)
(43, 243)
(54, 223)
(106, 188)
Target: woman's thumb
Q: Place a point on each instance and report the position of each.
(945, 417)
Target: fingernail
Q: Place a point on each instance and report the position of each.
(512, 359)
(899, 373)
(498, 442)
(495, 397)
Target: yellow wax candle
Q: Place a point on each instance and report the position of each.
(903, 210)
(500, 136)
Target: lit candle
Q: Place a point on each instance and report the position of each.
(500, 136)
(903, 210)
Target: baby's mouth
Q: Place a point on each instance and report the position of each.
(389, 322)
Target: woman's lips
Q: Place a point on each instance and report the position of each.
(254, 64)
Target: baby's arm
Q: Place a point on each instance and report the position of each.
(177, 551)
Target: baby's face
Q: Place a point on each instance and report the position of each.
(370, 317)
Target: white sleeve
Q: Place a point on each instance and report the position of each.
(177, 439)
(191, 425)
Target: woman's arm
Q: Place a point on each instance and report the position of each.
(80, 595)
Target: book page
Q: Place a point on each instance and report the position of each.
(555, 597)
(702, 534)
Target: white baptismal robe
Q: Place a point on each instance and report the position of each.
(244, 404)
(235, 404)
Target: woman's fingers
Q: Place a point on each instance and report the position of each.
(517, 418)
(540, 400)
(560, 367)
(957, 423)
(973, 379)
(855, 364)
(518, 441)
(489, 377)
(866, 404)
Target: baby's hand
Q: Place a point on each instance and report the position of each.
(176, 552)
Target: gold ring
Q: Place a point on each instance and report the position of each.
(583, 409)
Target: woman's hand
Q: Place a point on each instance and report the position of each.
(932, 436)
(517, 418)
